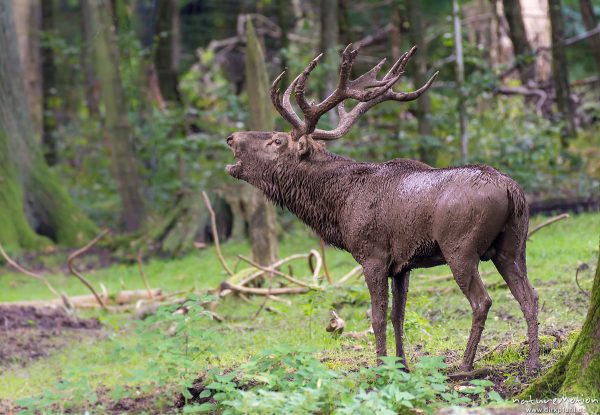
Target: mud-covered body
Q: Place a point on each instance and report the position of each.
(397, 216)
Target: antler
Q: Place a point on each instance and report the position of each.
(366, 89)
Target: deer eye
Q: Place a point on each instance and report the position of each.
(278, 141)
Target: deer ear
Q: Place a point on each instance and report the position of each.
(303, 146)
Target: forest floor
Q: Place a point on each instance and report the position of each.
(115, 363)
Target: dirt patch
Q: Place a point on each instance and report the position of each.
(29, 333)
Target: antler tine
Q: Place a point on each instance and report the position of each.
(300, 84)
(411, 96)
(284, 107)
(369, 79)
(374, 97)
(400, 64)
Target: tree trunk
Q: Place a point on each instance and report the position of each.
(32, 202)
(423, 113)
(560, 72)
(119, 132)
(28, 22)
(591, 22)
(460, 81)
(518, 37)
(92, 98)
(166, 56)
(578, 372)
(283, 20)
(48, 87)
(329, 42)
(262, 218)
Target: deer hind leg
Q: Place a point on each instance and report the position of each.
(511, 265)
(377, 282)
(467, 277)
(399, 294)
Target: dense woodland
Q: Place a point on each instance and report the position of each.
(114, 115)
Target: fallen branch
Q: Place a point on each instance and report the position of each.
(122, 298)
(277, 272)
(266, 291)
(548, 222)
(354, 272)
(213, 224)
(81, 278)
(32, 274)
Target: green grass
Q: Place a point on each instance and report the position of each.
(437, 322)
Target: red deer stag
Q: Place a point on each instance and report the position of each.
(394, 216)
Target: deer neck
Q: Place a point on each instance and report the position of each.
(315, 191)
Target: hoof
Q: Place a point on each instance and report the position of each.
(470, 374)
(534, 366)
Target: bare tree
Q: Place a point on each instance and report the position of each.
(329, 41)
(518, 38)
(166, 54)
(423, 113)
(48, 86)
(460, 81)
(591, 22)
(119, 134)
(560, 71)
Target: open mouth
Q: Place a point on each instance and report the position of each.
(233, 167)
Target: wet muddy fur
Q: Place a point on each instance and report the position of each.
(397, 216)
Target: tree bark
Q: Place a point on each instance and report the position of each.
(92, 98)
(423, 112)
(460, 81)
(32, 202)
(165, 56)
(560, 72)
(591, 22)
(328, 43)
(119, 132)
(578, 372)
(262, 218)
(48, 87)
(518, 37)
(28, 22)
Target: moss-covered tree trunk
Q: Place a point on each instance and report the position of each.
(33, 204)
(261, 215)
(119, 134)
(578, 372)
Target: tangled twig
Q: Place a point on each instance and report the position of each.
(142, 273)
(79, 276)
(32, 274)
(213, 223)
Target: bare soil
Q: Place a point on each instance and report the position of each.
(29, 333)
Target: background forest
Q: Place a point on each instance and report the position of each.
(114, 114)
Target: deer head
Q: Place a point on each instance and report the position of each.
(258, 152)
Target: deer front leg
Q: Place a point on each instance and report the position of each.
(399, 294)
(377, 281)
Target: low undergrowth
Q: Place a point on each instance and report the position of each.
(282, 359)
